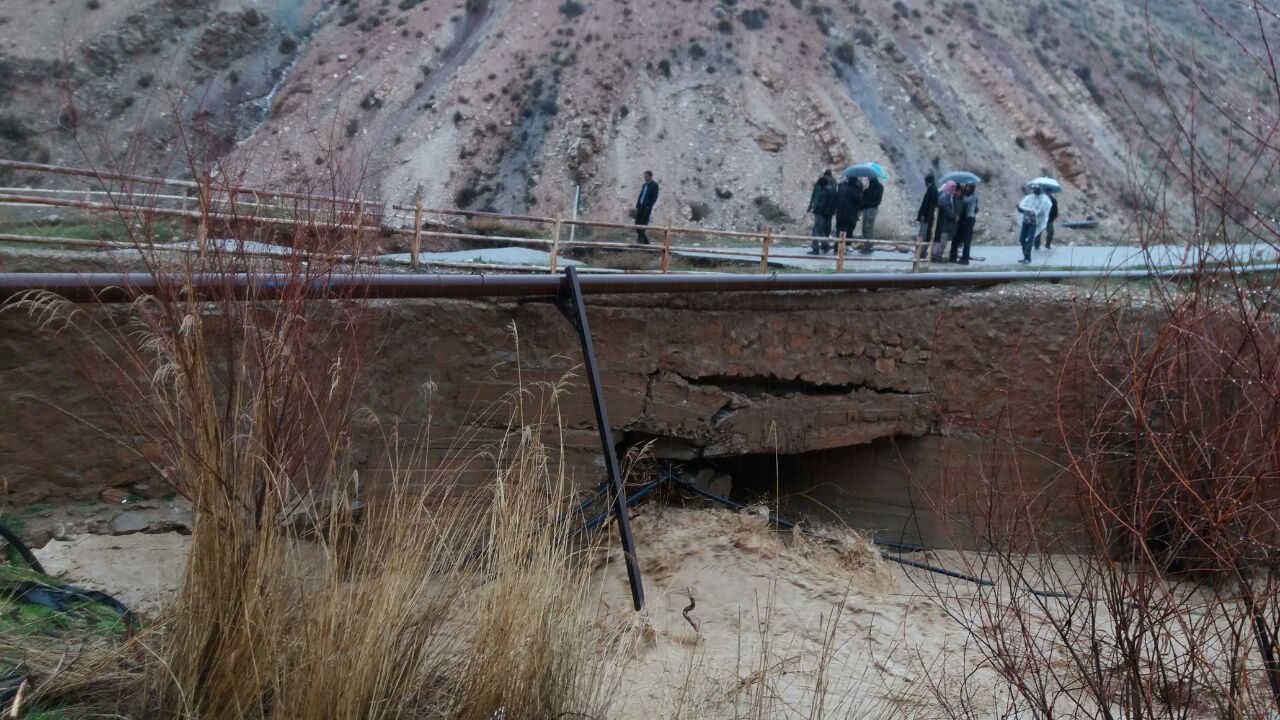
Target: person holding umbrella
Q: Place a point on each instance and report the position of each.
(822, 203)
(966, 206)
(1048, 230)
(949, 201)
(870, 209)
(945, 228)
(1033, 214)
(1051, 188)
(848, 205)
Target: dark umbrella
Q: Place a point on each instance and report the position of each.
(960, 178)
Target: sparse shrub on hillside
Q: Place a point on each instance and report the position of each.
(696, 51)
(844, 52)
(572, 8)
(467, 196)
(770, 210)
(1085, 73)
(288, 45)
(93, 4)
(664, 67)
(1134, 199)
(698, 211)
(988, 174)
(353, 127)
(754, 18)
(370, 101)
(900, 8)
(14, 129)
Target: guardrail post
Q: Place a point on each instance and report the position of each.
(555, 247)
(840, 252)
(202, 227)
(915, 255)
(415, 250)
(356, 234)
(666, 248)
(764, 252)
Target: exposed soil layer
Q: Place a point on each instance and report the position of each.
(710, 378)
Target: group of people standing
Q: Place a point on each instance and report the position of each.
(947, 214)
(847, 202)
(951, 212)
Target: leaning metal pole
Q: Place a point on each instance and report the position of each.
(578, 314)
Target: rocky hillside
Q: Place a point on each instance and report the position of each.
(735, 106)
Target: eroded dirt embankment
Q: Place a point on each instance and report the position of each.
(712, 378)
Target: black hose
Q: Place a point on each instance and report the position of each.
(25, 552)
(24, 589)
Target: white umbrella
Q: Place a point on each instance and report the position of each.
(1047, 184)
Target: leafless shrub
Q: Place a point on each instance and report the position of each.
(1161, 600)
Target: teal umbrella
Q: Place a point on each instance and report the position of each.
(866, 170)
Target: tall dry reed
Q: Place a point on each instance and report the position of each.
(310, 593)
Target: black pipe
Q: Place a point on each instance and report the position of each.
(126, 287)
(24, 551)
(576, 310)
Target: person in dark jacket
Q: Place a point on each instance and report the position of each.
(870, 208)
(966, 219)
(924, 216)
(1048, 229)
(644, 205)
(848, 206)
(822, 203)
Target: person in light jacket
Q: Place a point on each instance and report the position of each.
(1033, 216)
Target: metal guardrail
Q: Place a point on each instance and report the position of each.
(223, 202)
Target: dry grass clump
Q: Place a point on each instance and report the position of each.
(307, 594)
